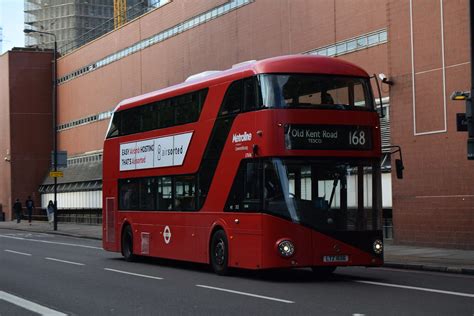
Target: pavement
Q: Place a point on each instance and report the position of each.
(65, 229)
(396, 256)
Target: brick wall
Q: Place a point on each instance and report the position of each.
(434, 204)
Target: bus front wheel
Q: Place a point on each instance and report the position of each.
(127, 244)
(219, 253)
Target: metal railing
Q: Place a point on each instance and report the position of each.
(79, 216)
(91, 217)
(387, 228)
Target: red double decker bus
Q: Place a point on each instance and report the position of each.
(270, 164)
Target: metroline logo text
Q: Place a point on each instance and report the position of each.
(238, 138)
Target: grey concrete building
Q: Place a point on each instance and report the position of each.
(74, 22)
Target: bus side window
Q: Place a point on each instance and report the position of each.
(114, 129)
(128, 198)
(149, 117)
(166, 114)
(252, 98)
(147, 192)
(202, 94)
(233, 99)
(130, 122)
(165, 194)
(187, 109)
(236, 194)
(245, 195)
(185, 193)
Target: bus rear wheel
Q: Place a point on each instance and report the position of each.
(219, 253)
(127, 244)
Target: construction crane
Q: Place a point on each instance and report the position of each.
(120, 13)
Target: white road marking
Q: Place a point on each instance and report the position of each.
(51, 242)
(18, 253)
(134, 274)
(33, 307)
(417, 288)
(28, 235)
(444, 274)
(64, 261)
(246, 294)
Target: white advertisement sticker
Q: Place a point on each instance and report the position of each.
(145, 154)
(164, 151)
(155, 153)
(181, 143)
(127, 156)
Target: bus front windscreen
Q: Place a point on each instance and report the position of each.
(324, 195)
(315, 91)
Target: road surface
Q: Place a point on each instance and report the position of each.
(57, 275)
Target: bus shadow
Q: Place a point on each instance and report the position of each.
(298, 275)
(169, 263)
(301, 275)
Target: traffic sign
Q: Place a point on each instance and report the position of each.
(56, 174)
(461, 122)
(61, 157)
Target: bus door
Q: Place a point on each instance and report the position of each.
(244, 216)
(176, 197)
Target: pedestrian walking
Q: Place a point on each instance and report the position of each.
(30, 205)
(17, 208)
(50, 211)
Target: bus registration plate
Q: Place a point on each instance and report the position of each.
(339, 258)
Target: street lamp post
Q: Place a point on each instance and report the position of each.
(54, 110)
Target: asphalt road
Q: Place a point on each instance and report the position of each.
(56, 275)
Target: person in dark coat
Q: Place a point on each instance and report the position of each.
(30, 205)
(17, 208)
(50, 211)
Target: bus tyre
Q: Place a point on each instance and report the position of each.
(127, 244)
(219, 253)
(323, 271)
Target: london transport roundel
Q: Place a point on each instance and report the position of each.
(167, 235)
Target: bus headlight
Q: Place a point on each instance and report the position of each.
(378, 246)
(286, 248)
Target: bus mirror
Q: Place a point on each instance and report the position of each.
(399, 168)
(381, 109)
(391, 150)
(385, 79)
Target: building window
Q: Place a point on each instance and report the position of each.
(350, 45)
(177, 29)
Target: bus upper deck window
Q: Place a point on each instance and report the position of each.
(114, 125)
(233, 99)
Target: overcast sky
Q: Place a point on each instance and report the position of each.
(11, 20)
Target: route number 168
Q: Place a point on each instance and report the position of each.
(357, 138)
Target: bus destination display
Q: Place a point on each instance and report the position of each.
(328, 137)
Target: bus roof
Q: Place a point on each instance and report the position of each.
(283, 64)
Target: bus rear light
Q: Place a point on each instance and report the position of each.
(286, 248)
